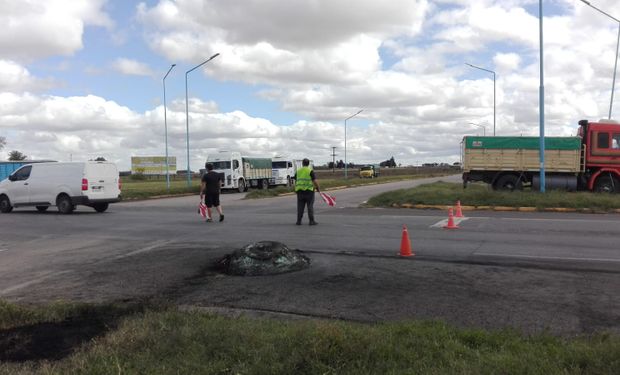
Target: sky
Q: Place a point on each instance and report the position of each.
(81, 79)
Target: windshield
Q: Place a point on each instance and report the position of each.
(366, 168)
(278, 164)
(221, 165)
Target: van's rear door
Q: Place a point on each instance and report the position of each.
(102, 180)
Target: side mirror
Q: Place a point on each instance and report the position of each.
(12, 178)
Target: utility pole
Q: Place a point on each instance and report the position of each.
(333, 159)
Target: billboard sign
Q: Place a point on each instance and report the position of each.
(153, 165)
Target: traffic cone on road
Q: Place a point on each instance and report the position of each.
(405, 244)
(458, 213)
(451, 224)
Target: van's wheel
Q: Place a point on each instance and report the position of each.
(509, 182)
(607, 184)
(100, 207)
(42, 208)
(5, 204)
(64, 204)
(241, 187)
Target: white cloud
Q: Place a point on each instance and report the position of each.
(131, 67)
(15, 78)
(36, 29)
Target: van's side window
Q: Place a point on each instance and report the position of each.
(603, 140)
(23, 173)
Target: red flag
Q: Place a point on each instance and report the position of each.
(202, 210)
(329, 199)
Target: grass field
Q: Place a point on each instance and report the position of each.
(443, 193)
(162, 340)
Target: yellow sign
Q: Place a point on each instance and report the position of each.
(153, 165)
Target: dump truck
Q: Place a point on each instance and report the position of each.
(589, 161)
(241, 172)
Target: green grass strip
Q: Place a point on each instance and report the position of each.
(443, 193)
(165, 341)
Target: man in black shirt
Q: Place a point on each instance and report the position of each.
(210, 189)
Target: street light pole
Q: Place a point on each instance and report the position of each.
(541, 100)
(484, 128)
(166, 130)
(613, 82)
(490, 71)
(345, 141)
(189, 175)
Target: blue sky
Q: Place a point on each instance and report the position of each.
(83, 79)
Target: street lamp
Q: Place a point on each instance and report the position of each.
(613, 82)
(490, 71)
(484, 128)
(166, 130)
(189, 175)
(345, 141)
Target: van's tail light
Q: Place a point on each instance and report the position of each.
(84, 184)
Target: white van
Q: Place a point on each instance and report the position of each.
(94, 183)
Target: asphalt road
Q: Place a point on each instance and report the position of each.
(529, 271)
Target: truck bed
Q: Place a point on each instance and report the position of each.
(562, 154)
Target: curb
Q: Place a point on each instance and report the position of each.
(504, 208)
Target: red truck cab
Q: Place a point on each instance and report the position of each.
(602, 154)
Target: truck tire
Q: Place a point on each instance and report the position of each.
(42, 208)
(5, 204)
(241, 186)
(289, 183)
(508, 182)
(263, 184)
(607, 184)
(64, 204)
(100, 207)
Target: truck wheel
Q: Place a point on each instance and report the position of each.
(64, 204)
(264, 184)
(42, 208)
(289, 183)
(607, 184)
(101, 207)
(509, 182)
(5, 204)
(241, 187)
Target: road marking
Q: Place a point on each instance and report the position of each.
(154, 245)
(549, 257)
(444, 222)
(44, 277)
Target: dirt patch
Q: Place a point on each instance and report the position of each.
(56, 340)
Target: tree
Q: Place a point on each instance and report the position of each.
(388, 163)
(2, 142)
(100, 158)
(17, 156)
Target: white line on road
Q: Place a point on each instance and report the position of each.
(444, 222)
(44, 277)
(548, 257)
(150, 247)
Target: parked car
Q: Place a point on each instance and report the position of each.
(94, 184)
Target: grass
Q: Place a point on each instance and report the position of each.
(326, 184)
(150, 188)
(164, 340)
(443, 193)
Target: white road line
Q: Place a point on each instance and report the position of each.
(548, 257)
(444, 222)
(44, 277)
(145, 249)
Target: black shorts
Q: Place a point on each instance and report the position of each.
(212, 199)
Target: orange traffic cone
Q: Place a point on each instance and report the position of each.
(459, 213)
(405, 244)
(451, 224)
